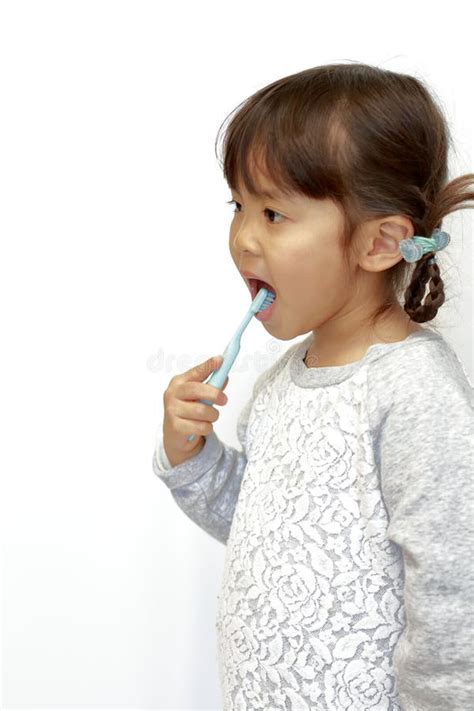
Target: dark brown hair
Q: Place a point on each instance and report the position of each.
(373, 140)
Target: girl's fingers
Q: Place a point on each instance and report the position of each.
(202, 370)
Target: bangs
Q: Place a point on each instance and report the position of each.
(292, 148)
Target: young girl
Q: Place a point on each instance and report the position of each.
(348, 514)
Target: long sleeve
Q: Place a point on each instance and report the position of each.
(424, 449)
(206, 487)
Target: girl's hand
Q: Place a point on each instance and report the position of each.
(184, 415)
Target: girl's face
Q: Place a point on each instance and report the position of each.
(295, 245)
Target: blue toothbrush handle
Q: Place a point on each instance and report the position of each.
(263, 299)
(218, 377)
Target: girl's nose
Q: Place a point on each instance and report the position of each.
(245, 240)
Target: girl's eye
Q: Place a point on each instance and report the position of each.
(267, 209)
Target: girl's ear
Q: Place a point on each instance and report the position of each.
(380, 244)
(388, 237)
(391, 232)
(383, 244)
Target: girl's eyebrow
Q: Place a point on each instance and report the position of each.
(267, 194)
(278, 196)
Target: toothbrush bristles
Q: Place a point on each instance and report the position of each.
(269, 299)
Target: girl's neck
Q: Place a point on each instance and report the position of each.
(341, 351)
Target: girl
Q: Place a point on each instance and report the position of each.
(348, 516)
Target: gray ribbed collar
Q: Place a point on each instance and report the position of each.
(332, 375)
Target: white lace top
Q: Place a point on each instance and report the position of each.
(349, 523)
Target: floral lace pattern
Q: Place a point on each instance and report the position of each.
(311, 603)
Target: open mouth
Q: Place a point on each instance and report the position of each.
(256, 284)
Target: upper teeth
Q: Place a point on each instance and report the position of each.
(256, 284)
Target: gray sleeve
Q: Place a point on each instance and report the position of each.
(161, 457)
(206, 487)
(423, 444)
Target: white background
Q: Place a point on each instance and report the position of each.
(115, 275)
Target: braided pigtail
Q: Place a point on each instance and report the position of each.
(423, 274)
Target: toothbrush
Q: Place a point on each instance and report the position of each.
(262, 301)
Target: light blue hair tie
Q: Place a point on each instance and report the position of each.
(415, 247)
